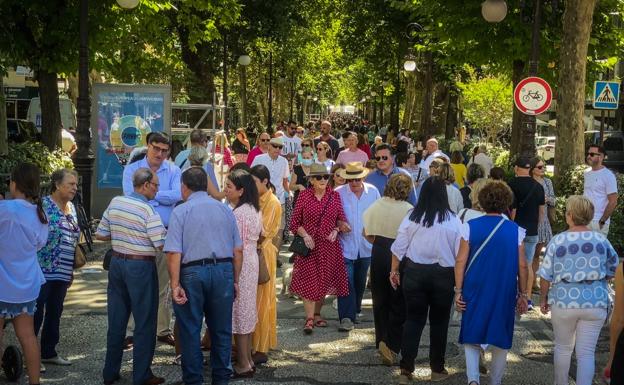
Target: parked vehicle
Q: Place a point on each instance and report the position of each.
(20, 131)
(68, 113)
(545, 146)
(613, 143)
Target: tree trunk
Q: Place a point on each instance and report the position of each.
(577, 22)
(451, 115)
(516, 119)
(50, 111)
(427, 106)
(4, 137)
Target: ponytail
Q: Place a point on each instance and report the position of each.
(40, 212)
(27, 178)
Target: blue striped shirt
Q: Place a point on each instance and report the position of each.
(133, 225)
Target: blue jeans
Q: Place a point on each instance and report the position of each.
(210, 293)
(132, 288)
(530, 243)
(350, 305)
(49, 310)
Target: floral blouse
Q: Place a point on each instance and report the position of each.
(56, 258)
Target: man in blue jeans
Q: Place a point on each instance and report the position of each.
(137, 234)
(204, 266)
(356, 197)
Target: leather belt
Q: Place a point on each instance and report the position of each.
(206, 261)
(134, 257)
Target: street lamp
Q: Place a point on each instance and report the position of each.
(410, 63)
(83, 157)
(300, 105)
(494, 11)
(244, 61)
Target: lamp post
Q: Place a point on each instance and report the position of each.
(84, 158)
(300, 105)
(225, 85)
(373, 95)
(244, 61)
(270, 112)
(292, 92)
(383, 85)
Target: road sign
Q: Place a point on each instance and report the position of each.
(606, 95)
(532, 95)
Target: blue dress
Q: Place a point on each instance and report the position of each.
(490, 286)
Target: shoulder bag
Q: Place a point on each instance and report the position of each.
(263, 270)
(298, 246)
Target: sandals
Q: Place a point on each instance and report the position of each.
(319, 322)
(308, 328)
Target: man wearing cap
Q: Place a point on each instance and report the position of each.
(527, 210)
(356, 197)
(431, 152)
(385, 169)
(280, 171)
(204, 267)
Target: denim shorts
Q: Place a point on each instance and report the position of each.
(12, 310)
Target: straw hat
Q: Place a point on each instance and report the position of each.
(353, 170)
(317, 169)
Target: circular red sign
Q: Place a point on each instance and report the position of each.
(532, 95)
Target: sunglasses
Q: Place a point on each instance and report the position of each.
(277, 146)
(306, 145)
(321, 177)
(378, 158)
(320, 149)
(264, 140)
(354, 180)
(299, 132)
(593, 153)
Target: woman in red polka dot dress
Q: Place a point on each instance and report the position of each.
(318, 218)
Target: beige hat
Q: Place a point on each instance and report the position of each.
(353, 170)
(318, 169)
(277, 141)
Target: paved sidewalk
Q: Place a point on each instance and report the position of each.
(326, 357)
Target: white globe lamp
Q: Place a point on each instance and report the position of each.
(409, 65)
(244, 60)
(494, 11)
(128, 4)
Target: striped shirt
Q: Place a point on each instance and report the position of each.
(133, 225)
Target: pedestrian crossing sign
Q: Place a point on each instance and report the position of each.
(606, 95)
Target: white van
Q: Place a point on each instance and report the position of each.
(68, 113)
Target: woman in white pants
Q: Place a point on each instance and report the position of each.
(574, 272)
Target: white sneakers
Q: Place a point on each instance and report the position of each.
(58, 360)
(346, 325)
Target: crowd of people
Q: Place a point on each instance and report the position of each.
(433, 235)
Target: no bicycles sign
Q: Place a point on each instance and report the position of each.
(532, 95)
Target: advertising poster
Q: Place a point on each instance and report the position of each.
(122, 116)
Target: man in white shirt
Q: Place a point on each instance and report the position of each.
(431, 152)
(278, 167)
(482, 159)
(351, 153)
(292, 143)
(356, 197)
(601, 188)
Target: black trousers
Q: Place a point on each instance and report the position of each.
(388, 304)
(617, 368)
(428, 290)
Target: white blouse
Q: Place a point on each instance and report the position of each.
(428, 245)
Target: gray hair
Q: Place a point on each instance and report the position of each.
(59, 175)
(483, 148)
(142, 176)
(198, 136)
(197, 156)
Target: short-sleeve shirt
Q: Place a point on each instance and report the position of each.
(22, 235)
(56, 258)
(291, 145)
(202, 227)
(598, 185)
(347, 156)
(577, 263)
(279, 171)
(528, 197)
(332, 142)
(133, 225)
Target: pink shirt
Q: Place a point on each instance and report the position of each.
(347, 156)
(253, 153)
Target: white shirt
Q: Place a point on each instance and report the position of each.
(328, 163)
(291, 145)
(599, 184)
(428, 245)
(472, 214)
(456, 202)
(483, 160)
(278, 169)
(425, 163)
(354, 243)
(67, 140)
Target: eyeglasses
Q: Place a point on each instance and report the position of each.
(321, 177)
(160, 149)
(354, 180)
(154, 184)
(593, 154)
(277, 146)
(378, 158)
(264, 140)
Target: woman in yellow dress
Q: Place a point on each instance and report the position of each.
(265, 335)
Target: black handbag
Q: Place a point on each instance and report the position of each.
(298, 246)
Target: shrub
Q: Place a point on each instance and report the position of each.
(36, 153)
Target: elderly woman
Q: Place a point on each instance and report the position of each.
(56, 259)
(24, 230)
(474, 172)
(476, 211)
(242, 194)
(487, 282)
(445, 171)
(265, 334)
(381, 224)
(615, 366)
(574, 272)
(428, 241)
(318, 218)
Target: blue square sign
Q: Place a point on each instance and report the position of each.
(606, 95)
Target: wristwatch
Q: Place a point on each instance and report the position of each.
(602, 223)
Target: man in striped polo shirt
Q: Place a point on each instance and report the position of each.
(136, 233)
